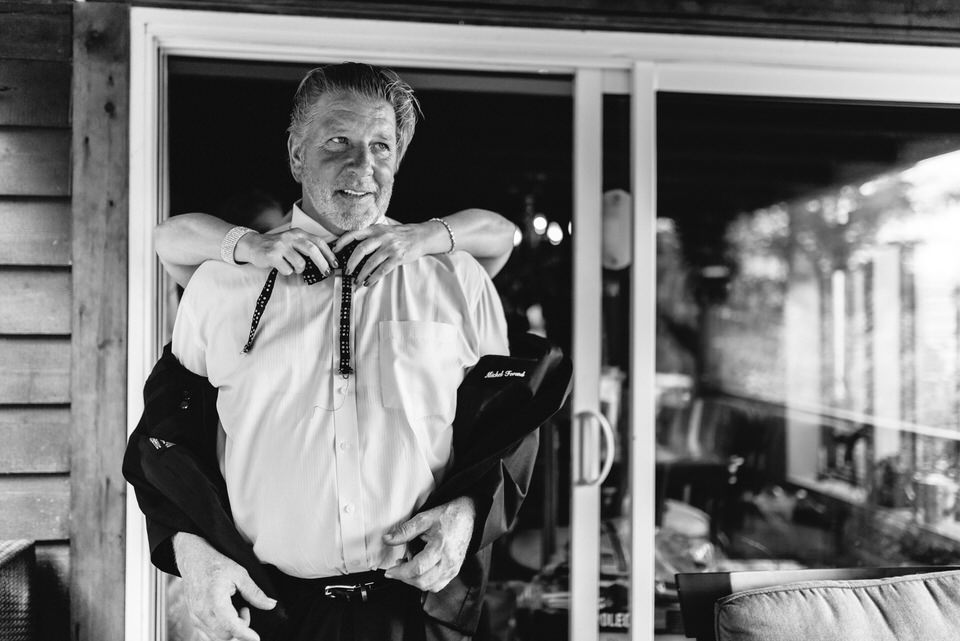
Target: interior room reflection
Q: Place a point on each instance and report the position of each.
(808, 336)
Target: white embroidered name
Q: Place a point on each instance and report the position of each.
(504, 373)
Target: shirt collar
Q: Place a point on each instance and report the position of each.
(301, 220)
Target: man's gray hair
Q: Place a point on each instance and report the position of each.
(363, 80)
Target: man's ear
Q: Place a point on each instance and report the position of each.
(295, 155)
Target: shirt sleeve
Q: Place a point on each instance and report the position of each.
(189, 344)
(489, 321)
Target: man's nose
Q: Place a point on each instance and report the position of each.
(362, 158)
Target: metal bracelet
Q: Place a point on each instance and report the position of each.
(453, 241)
(229, 243)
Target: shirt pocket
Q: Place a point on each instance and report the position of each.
(420, 367)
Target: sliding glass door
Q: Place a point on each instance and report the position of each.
(746, 246)
(540, 149)
(808, 334)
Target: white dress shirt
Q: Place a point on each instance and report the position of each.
(318, 466)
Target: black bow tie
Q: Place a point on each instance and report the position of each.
(311, 274)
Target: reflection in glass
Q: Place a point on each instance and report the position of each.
(810, 416)
(614, 385)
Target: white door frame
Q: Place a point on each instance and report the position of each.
(640, 64)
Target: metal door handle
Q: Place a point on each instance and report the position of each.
(606, 430)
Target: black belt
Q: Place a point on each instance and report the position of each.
(360, 586)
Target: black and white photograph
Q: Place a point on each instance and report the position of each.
(450, 320)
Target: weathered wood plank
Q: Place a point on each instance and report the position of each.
(35, 31)
(35, 232)
(35, 440)
(926, 21)
(35, 93)
(35, 301)
(101, 52)
(51, 585)
(35, 370)
(35, 507)
(34, 162)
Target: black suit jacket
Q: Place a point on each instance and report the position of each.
(172, 464)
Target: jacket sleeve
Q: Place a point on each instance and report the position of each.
(163, 518)
(178, 406)
(499, 493)
(160, 538)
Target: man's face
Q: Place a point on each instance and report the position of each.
(346, 160)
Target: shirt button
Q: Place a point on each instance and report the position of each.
(348, 508)
(344, 445)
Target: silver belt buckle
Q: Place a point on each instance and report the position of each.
(348, 590)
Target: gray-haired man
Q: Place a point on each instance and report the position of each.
(338, 421)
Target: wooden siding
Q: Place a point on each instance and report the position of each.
(34, 161)
(35, 92)
(35, 440)
(35, 231)
(101, 51)
(35, 295)
(35, 31)
(922, 22)
(34, 370)
(34, 507)
(34, 301)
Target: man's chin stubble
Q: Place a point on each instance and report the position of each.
(353, 222)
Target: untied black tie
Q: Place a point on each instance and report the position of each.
(312, 274)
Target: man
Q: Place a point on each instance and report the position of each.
(338, 418)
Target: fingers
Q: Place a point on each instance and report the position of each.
(367, 246)
(252, 593)
(213, 612)
(293, 259)
(357, 234)
(224, 622)
(304, 247)
(429, 579)
(412, 570)
(327, 253)
(378, 266)
(410, 529)
(437, 579)
(386, 253)
(431, 570)
(221, 622)
(285, 252)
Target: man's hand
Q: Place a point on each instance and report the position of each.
(390, 246)
(210, 579)
(447, 529)
(284, 251)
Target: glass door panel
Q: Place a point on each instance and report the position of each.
(616, 257)
(808, 335)
(498, 141)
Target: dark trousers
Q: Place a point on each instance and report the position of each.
(392, 612)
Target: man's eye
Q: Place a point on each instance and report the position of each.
(337, 141)
(381, 148)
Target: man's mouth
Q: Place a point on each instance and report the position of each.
(353, 193)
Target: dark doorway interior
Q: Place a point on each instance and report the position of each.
(476, 146)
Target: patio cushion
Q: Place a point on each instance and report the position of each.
(916, 606)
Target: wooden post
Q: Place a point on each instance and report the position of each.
(101, 52)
